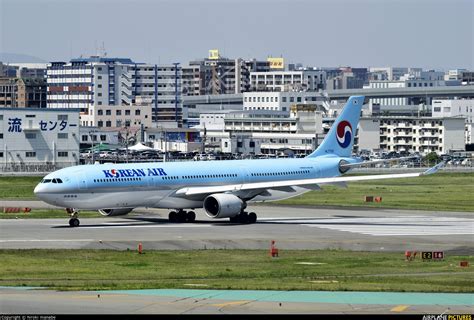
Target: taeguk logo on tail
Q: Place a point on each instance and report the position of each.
(344, 133)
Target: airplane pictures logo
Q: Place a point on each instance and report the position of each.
(344, 133)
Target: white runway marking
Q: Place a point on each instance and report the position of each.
(396, 226)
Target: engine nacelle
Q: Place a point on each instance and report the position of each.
(222, 205)
(115, 212)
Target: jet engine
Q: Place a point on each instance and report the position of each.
(115, 212)
(222, 205)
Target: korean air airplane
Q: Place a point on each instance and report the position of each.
(222, 188)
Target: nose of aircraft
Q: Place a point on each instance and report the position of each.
(38, 190)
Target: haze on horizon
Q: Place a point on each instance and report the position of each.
(435, 34)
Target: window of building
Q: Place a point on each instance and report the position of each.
(62, 116)
(100, 112)
(292, 99)
(99, 68)
(127, 112)
(30, 135)
(1, 154)
(118, 112)
(62, 154)
(127, 123)
(1, 117)
(137, 112)
(99, 86)
(1, 135)
(62, 135)
(100, 123)
(118, 123)
(103, 137)
(108, 124)
(283, 99)
(99, 103)
(108, 112)
(30, 116)
(276, 99)
(30, 154)
(99, 77)
(84, 138)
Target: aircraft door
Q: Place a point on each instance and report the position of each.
(245, 174)
(82, 183)
(316, 171)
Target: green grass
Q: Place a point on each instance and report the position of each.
(441, 191)
(232, 269)
(47, 213)
(18, 187)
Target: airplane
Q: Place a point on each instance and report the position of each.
(222, 188)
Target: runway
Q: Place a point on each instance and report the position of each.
(291, 227)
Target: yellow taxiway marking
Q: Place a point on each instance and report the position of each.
(221, 305)
(399, 308)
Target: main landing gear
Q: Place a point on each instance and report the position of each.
(74, 221)
(244, 217)
(182, 216)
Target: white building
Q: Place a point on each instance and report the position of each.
(412, 134)
(264, 131)
(117, 116)
(38, 139)
(443, 108)
(390, 73)
(298, 80)
(85, 82)
(280, 101)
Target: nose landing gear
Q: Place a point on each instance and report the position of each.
(74, 221)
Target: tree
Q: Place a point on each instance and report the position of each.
(431, 158)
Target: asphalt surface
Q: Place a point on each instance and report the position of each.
(21, 301)
(290, 227)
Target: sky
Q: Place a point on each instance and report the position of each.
(432, 34)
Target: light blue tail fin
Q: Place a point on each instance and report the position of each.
(340, 138)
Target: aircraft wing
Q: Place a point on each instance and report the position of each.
(364, 163)
(193, 191)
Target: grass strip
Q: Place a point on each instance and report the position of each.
(232, 269)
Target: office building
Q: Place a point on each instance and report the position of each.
(98, 81)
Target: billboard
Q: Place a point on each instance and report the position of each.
(214, 54)
(276, 63)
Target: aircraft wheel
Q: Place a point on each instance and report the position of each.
(252, 217)
(181, 216)
(190, 216)
(173, 216)
(74, 222)
(243, 217)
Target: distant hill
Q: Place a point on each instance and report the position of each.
(6, 57)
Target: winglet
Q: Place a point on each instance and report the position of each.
(434, 169)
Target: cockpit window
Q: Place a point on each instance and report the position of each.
(55, 180)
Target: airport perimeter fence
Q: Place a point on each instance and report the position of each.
(32, 168)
